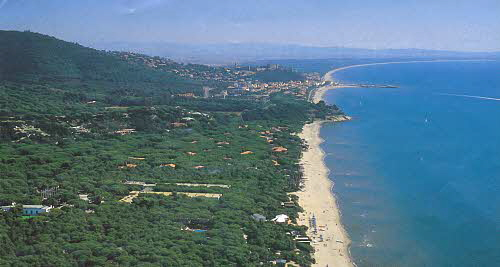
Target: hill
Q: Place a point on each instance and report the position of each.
(27, 55)
(137, 176)
(59, 74)
(32, 58)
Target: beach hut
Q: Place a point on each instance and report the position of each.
(288, 204)
(303, 239)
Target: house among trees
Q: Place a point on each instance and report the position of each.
(125, 131)
(171, 165)
(279, 149)
(186, 95)
(303, 239)
(282, 218)
(258, 217)
(179, 124)
(288, 204)
(30, 209)
(84, 197)
(127, 165)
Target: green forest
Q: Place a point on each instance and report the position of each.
(80, 129)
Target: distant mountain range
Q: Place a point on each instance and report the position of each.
(245, 52)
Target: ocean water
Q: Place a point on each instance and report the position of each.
(417, 172)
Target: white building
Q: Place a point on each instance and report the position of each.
(282, 218)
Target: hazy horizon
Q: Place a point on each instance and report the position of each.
(448, 25)
(281, 44)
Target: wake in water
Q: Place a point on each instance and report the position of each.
(471, 96)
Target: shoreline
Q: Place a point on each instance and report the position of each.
(318, 94)
(317, 198)
(330, 241)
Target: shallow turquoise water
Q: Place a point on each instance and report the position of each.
(417, 172)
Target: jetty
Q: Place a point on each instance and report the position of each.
(331, 85)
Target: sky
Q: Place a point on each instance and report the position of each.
(461, 25)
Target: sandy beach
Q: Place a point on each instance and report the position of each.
(317, 95)
(321, 213)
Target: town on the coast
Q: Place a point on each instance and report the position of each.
(123, 158)
(240, 81)
(283, 133)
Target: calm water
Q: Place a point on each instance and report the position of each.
(417, 172)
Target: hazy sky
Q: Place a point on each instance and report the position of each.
(472, 25)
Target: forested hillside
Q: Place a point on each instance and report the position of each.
(135, 175)
(41, 64)
(32, 56)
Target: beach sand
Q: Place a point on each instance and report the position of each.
(330, 240)
(321, 213)
(318, 94)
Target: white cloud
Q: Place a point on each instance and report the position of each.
(136, 6)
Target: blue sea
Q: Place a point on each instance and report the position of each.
(417, 172)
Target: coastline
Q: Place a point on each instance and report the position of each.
(318, 201)
(330, 241)
(318, 94)
(316, 198)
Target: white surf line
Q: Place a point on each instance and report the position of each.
(470, 96)
(329, 75)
